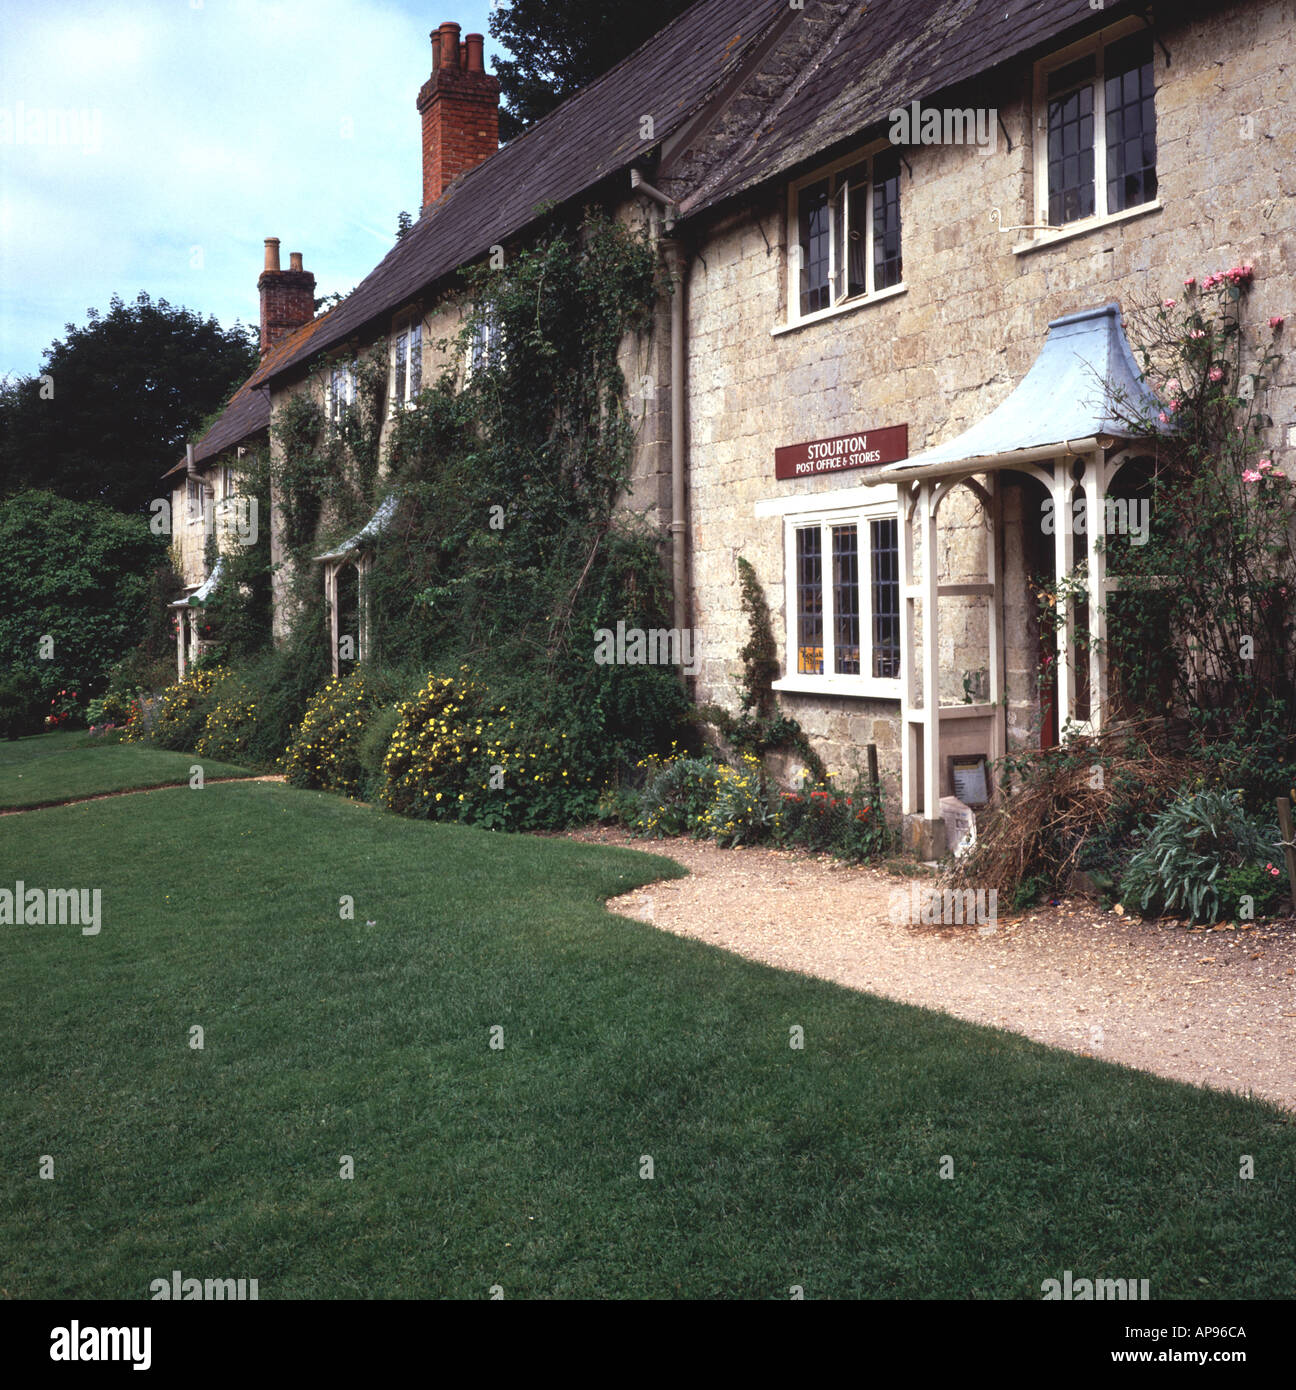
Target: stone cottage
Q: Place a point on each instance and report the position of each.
(904, 241)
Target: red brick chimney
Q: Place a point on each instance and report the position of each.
(287, 296)
(459, 104)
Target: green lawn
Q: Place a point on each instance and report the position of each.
(50, 768)
(520, 1167)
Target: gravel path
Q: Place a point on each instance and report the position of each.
(1215, 1007)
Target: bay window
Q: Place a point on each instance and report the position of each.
(843, 602)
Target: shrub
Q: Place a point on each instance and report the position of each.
(617, 805)
(281, 684)
(455, 755)
(848, 826)
(140, 669)
(1255, 757)
(1189, 851)
(324, 750)
(374, 743)
(18, 714)
(677, 795)
(112, 708)
(65, 711)
(437, 750)
(739, 812)
(182, 711)
(230, 724)
(79, 574)
(1251, 891)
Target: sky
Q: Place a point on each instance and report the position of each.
(154, 145)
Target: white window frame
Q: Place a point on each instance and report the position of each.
(409, 333)
(830, 683)
(346, 371)
(229, 484)
(195, 491)
(487, 336)
(1096, 44)
(792, 277)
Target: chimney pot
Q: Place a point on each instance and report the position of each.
(450, 45)
(287, 296)
(459, 105)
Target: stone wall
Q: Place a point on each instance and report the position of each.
(951, 347)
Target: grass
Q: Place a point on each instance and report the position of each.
(50, 768)
(520, 1167)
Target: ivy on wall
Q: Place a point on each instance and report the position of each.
(512, 543)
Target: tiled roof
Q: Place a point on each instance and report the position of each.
(590, 136)
(882, 57)
(248, 411)
(862, 61)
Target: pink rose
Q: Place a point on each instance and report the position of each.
(1276, 321)
(1264, 465)
(1216, 374)
(1168, 303)
(1190, 282)
(1250, 475)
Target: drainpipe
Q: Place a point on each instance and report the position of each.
(677, 262)
(677, 265)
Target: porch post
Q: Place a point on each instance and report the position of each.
(1062, 517)
(1095, 484)
(908, 663)
(330, 597)
(994, 518)
(362, 604)
(931, 653)
(180, 642)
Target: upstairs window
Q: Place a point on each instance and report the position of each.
(847, 243)
(485, 346)
(341, 394)
(195, 500)
(1097, 114)
(407, 364)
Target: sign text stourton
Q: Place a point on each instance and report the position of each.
(864, 450)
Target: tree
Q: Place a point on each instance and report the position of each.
(117, 400)
(76, 591)
(559, 46)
